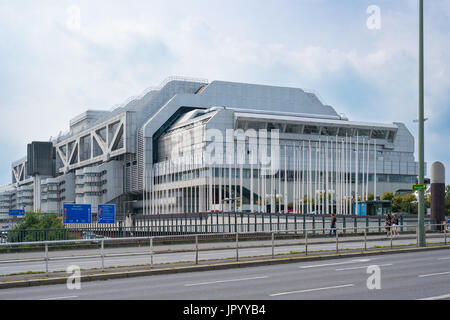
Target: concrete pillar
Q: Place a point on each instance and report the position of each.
(437, 192)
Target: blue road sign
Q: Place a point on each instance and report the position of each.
(106, 213)
(77, 213)
(16, 212)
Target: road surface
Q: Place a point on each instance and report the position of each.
(418, 275)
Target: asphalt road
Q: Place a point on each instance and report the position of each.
(115, 257)
(404, 276)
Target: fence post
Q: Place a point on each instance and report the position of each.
(287, 223)
(46, 258)
(306, 242)
(295, 223)
(304, 222)
(344, 225)
(262, 221)
(196, 249)
(237, 246)
(365, 239)
(273, 245)
(337, 240)
(323, 224)
(355, 224)
(103, 255)
(151, 252)
(445, 234)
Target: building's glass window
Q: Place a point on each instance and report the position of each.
(311, 130)
(363, 132)
(346, 132)
(274, 126)
(329, 131)
(240, 124)
(378, 134)
(293, 128)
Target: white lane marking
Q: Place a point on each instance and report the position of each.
(434, 274)
(446, 258)
(363, 267)
(221, 281)
(58, 298)
(334, 264)
(445, 296)
(310, 290)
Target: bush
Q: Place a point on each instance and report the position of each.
(38, 226)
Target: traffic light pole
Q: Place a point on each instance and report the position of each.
(420, 218)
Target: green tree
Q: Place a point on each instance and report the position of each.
(38, 226)
(404, 203)
(387, 196)
(447, 192)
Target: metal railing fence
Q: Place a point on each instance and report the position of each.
(210, 223)
(338, 237)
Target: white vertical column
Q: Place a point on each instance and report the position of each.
(241, 192)
(302, 172)
(251, 188)
(279, 184)
(230, 191)
(327, 187)
(375, 169)
(294, 182)
(357, 174)
(348, 178)
(285, 196)
(319, 154)
(350, 155)
(337, 174)
(368, 162)
(310, 197)
(220, 188)
(315, 178)
(363, 189)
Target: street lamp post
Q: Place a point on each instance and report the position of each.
(420, 216)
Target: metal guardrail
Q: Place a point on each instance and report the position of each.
(197, 237)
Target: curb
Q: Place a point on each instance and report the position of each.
(222, 266)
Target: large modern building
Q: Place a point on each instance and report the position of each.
(197, 146)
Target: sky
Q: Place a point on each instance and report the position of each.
(60, 58)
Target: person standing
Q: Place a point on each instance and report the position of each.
(333, 224)
(395, 225)
(388, 224)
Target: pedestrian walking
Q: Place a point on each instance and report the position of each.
(333, 224)
(388, 224)
(395, 225)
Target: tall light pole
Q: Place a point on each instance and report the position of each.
(420, 215)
